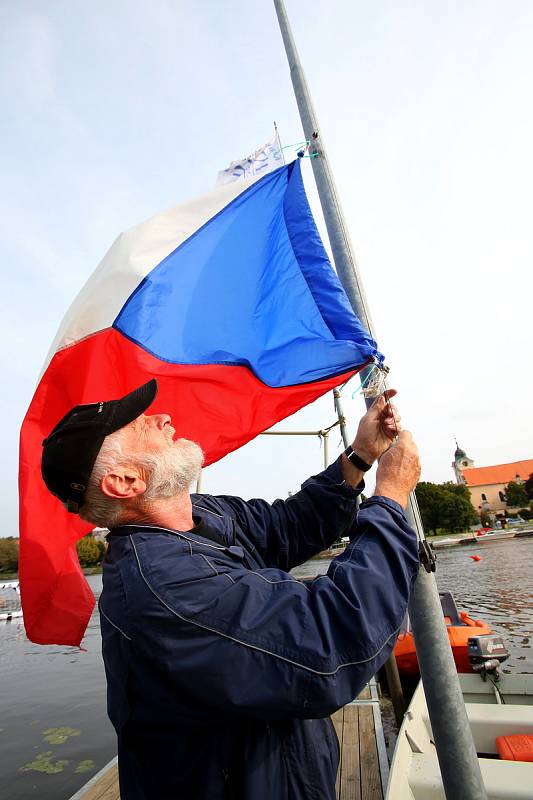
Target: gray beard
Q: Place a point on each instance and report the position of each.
(171, 472)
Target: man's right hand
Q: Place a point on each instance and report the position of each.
(398, 470)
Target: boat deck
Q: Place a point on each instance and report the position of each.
(363, 770)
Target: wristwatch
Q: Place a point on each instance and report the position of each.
(356, 460)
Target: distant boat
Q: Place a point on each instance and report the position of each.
(483, 535)
(10, 606)
(492, 536)
(496, 536)
(528, 532)
(441, 543)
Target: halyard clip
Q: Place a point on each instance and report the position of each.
(427, 557)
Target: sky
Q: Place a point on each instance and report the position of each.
(112, 112)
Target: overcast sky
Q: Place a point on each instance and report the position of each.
(113, 111)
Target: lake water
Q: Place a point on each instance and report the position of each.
(54, 732)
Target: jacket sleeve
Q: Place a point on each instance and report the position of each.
(288, 532)
(262, 644)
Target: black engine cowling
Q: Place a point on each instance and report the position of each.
(486, 652)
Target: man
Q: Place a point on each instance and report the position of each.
(223, 669)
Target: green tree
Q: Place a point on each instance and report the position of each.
(428, 496)
(89, 553)
(458, 489)
(460, 513)
(9, 554)
(445, 506)
(457, 512)
(516, 494)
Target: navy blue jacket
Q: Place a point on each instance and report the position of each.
(222, 668)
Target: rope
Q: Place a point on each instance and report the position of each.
(296, 144)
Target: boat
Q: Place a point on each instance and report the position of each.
(461, 627)
(439, 544)
(496, 536)
(499, 706)
(10, 606)
(483, 538)
(525, 532)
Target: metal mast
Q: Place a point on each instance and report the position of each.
(458, 761)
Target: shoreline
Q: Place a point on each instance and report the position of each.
(14, 576)
(439, 540)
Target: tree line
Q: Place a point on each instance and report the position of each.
(90, 553)
(9, 554)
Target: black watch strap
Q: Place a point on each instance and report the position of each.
(356, 460)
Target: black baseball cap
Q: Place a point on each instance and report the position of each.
(69, 452)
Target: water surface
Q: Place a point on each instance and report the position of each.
(54, 732)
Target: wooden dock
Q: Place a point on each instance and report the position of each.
(103, 786)
(363, 770)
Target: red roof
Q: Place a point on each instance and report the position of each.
(500, 473)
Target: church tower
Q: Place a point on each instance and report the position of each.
(460, 462)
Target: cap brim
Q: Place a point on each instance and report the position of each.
(133, 405)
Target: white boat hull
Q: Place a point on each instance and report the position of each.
(415, 773)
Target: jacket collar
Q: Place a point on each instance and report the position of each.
(208, 525)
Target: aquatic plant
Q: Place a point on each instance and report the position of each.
(43, 763)
(59, 735)
(85, 766)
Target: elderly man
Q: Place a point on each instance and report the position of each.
(222, 668)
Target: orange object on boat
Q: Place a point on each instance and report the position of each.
(516, 747)
(460, 628)
(475, 558)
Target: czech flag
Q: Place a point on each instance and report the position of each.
(230, 301)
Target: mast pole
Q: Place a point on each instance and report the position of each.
(461, 774)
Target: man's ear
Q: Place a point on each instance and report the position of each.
(123, 484)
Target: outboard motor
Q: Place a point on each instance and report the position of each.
(486, 653)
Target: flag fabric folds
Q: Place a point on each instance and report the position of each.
(231, 303)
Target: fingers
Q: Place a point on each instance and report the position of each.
(383, 398)
(381, 404)
(405, 444)
(399, 469)
(393, 421)
(406, 441)
(406, 437)
(390, 412)
(390, 421)
(391, 431)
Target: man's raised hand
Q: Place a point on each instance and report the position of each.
(378, 428)
(399, 470)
